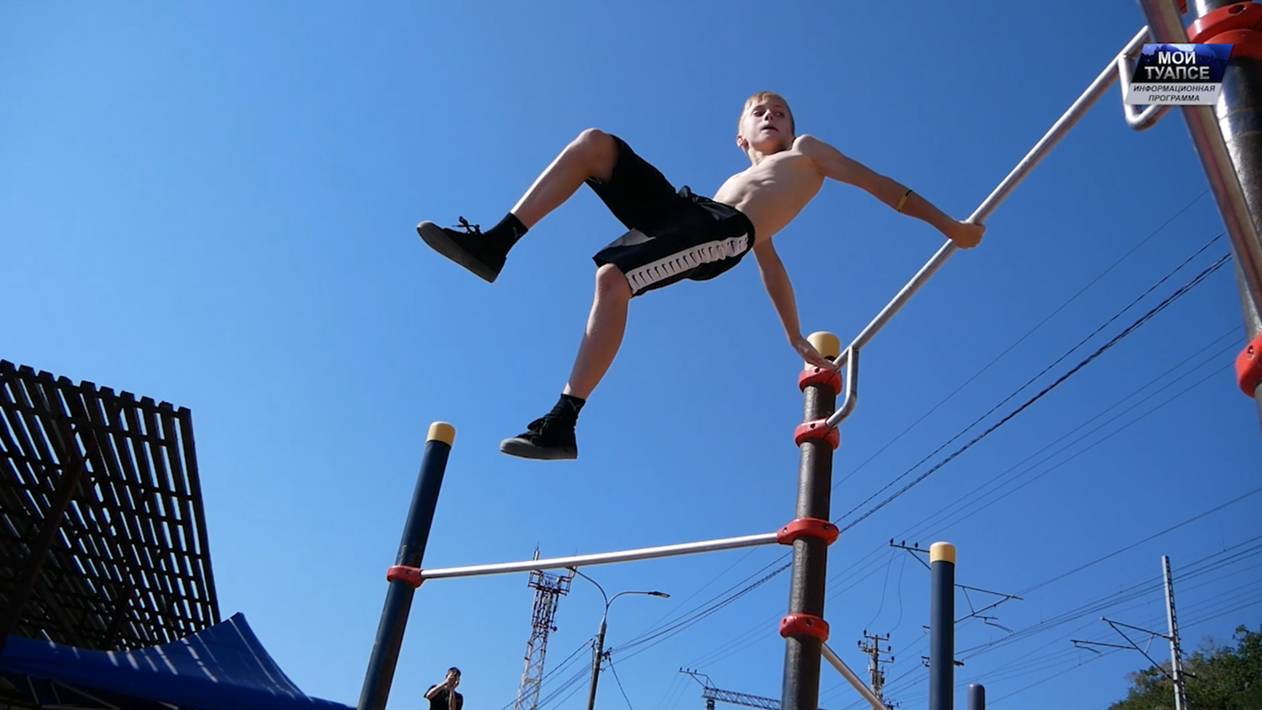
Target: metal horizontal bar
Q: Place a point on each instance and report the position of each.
(1139, 120)
(1059, 129)
(602, 558)
(841, 666)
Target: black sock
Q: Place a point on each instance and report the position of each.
(505, 234)
(567, 408)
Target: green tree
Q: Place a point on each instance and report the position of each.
(1223, 678)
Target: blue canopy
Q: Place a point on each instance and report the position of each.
(224, 666)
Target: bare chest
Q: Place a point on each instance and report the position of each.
(774, 191)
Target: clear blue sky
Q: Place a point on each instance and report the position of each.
(214, 206)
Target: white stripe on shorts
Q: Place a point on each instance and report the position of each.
(649, 274)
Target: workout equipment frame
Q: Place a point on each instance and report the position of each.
(810, 534)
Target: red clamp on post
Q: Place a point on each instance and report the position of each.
(1249, 366)
(820, 376)
(816, 431)
(799, 625)
(407, 575)
(1239, 25)
(816, 528)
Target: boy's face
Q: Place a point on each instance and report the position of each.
(453, 678)
(766, 127)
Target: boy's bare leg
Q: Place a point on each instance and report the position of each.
(605, 327)
(552, 436)
(592, 154)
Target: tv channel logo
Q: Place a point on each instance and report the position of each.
(1178, 74)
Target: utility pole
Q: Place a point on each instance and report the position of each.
(548, 590)
(1175, 674)
(1176, 652)
(874, 664)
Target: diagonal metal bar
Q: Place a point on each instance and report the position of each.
(1059, 130)
(1156, 665)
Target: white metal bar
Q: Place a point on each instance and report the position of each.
(1135, 118)
(602, 558)
(841, 666)
(1067, 120)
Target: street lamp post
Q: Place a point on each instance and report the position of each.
(600, 637)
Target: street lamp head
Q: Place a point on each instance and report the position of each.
(663, 595)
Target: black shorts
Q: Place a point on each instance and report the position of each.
(673, 235)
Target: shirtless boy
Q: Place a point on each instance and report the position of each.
(676, 235)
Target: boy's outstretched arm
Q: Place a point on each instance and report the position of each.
(834, 164)
(776, 279)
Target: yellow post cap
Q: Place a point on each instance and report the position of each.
(828, 344)
(942, 552)
(441, 431)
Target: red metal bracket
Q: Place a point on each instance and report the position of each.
(1239, 25)
(405, 574)
(1249, 365)
(799, 625)
(815, 528)
(820, 376)
(816, 431)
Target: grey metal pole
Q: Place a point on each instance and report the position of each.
(976, 696)
(394, 616)
(804, 628)
(600, 651)
(600, 558)
(942, 626)
(1176, 653)
(1230, 148)
(852, 678)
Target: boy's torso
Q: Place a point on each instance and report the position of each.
(774, 191)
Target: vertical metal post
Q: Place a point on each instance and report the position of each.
(942, 626)
(800, 688)
(976, 696)
(599, 651)
(1230, 148)
(1176, 652)
(394, 616)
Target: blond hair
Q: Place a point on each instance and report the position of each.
(762, 96)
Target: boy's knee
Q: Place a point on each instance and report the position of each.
(598, 149)
(611, 283)
(593, 137)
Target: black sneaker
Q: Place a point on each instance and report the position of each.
(545, 438)
(470, 248)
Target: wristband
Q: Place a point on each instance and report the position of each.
(903, 200)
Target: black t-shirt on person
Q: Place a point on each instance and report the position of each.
(442, 701)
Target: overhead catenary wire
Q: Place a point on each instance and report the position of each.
(1132, 594)
(984, 495)
(1148, 316)
(1141, 593)
(1013, 345)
